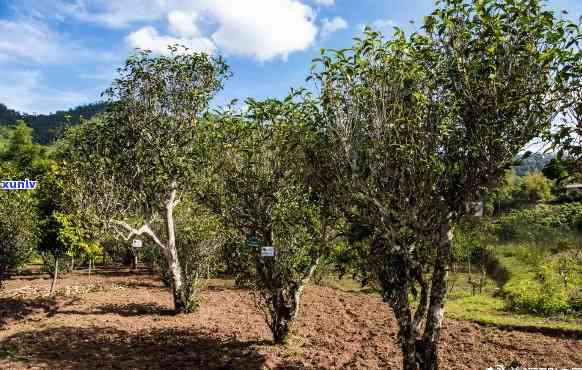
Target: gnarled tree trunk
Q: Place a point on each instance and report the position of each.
(421, 352)
(181, 296)
(282, 317)
(406, 328)
(285, 307)
(428, 350)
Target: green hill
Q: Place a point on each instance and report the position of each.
(535, 162)
(48, 127)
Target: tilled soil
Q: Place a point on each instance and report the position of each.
(120, 320)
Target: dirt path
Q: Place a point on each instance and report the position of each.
(123, 321)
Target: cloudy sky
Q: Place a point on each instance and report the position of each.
(57, 54)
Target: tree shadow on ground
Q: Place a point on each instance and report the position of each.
(141, 284)
(91, 348)
(122, 272)
(126, 310)
(31, 276)
(19, 309)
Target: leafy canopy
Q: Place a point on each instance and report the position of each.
(146, 144)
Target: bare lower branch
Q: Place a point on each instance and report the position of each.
(145, 229)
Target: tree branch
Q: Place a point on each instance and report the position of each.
(145, 229)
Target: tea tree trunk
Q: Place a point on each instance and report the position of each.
(285, 307)
(421, 352)
(170, 252)
(55, 276)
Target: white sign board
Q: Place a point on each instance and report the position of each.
(475, 208)
(136, 243)
(268, 252)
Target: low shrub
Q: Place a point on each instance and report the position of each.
(540, 283)
(556, 226)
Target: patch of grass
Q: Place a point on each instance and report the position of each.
(462, 285)
(533, 297)
(220, 283)
(347, 285)
(535, 284)
(488, 310)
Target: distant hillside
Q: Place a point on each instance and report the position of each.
(534, 162)
(8, 115)
(48, 127)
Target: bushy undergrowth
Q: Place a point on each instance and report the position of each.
(540, 248)
(540, 282)
(543, 223)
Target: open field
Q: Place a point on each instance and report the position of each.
(119, 320)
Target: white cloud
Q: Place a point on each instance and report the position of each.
(183, 23)
(109, 13)
(384, 25)
(30, 41)
(114, 13)
(331, 26)
(149, 38)
(263, 29)
(26, 91)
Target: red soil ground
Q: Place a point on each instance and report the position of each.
(119, 320)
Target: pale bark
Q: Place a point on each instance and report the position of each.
(168, 249)
(55, 276)
(172, 255)
(299, 292)
(421, 353)
(144, 229)
(436, 312)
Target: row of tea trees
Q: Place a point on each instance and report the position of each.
(36, 222)
(403, 134)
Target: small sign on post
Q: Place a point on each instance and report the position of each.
(136, 245)
(268, 252)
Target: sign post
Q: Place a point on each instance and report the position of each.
(136, 245)
(268, 251)
(475, 208)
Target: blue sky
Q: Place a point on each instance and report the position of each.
(58, 54)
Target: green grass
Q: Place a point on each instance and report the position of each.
(535, 283)
(524, 291)
(488, 310)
